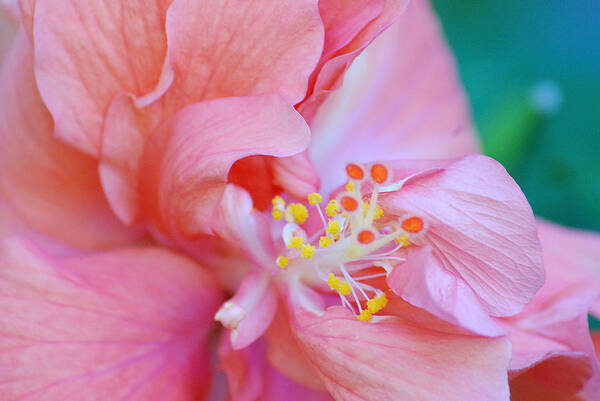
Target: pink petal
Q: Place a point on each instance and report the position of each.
(481, 229)
(228, 262)
(255, 175)
(562, 317)
(296, 174)
(286, 355)
(9, 13)
(250, 312)
(87, 52)
(265, 177)
(423, 282)
(26, 8)
(251, 376)
(393, 359)
(266, 46)
(129, 324)
(53, 188)
(122, 149)
(553, 356)
(188, 158)
(10, 223)
(245, 227)
(12, 226)
(243, 369)
(556, 379)
(343, 21)
(10, 9)
(349, 27)
(280, 387)
(400, 99)
(570, 256)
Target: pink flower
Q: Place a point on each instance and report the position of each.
(195, 114)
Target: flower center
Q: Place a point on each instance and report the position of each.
(355, 235)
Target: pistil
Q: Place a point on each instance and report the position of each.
(350, 235)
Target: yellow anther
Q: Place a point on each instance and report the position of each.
(314, 198)
(402, 240)
(333, 281)
(295, 242)
(350, 186)
(383, 300)
(344, 288)
(373, 305)
(278, 200)
(365, 208)
(277, 214)
(332, 208)
(376, 304)
(278, 208)
(296, 212)
(307, 251)
(324, 242)
(378, 212)
(282, 261)
(333, 227)
(364, 316)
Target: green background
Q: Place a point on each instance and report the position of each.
(504, 50)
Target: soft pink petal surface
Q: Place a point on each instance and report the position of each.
(252, 378)
(394, 360)
(9, 12)
(553, 355)
(242, 48)
(53, 187)
(187, 160)
(26, 8)
(400, 99)
(298, 170)
(286, 354)
(572, 256)
(129, 324)
(11, 225)
(552, 380)
(87, 52)
(480, 227)
(423, 282)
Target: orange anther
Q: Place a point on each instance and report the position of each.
(379, 173)
(349, 203)
(355, 171)
(365, 237)
(412, 224)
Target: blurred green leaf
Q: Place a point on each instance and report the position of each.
(510, 130)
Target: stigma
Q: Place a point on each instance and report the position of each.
(355, 234)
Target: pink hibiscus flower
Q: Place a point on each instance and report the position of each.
(195, 115)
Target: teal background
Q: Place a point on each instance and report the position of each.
(503, 49)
